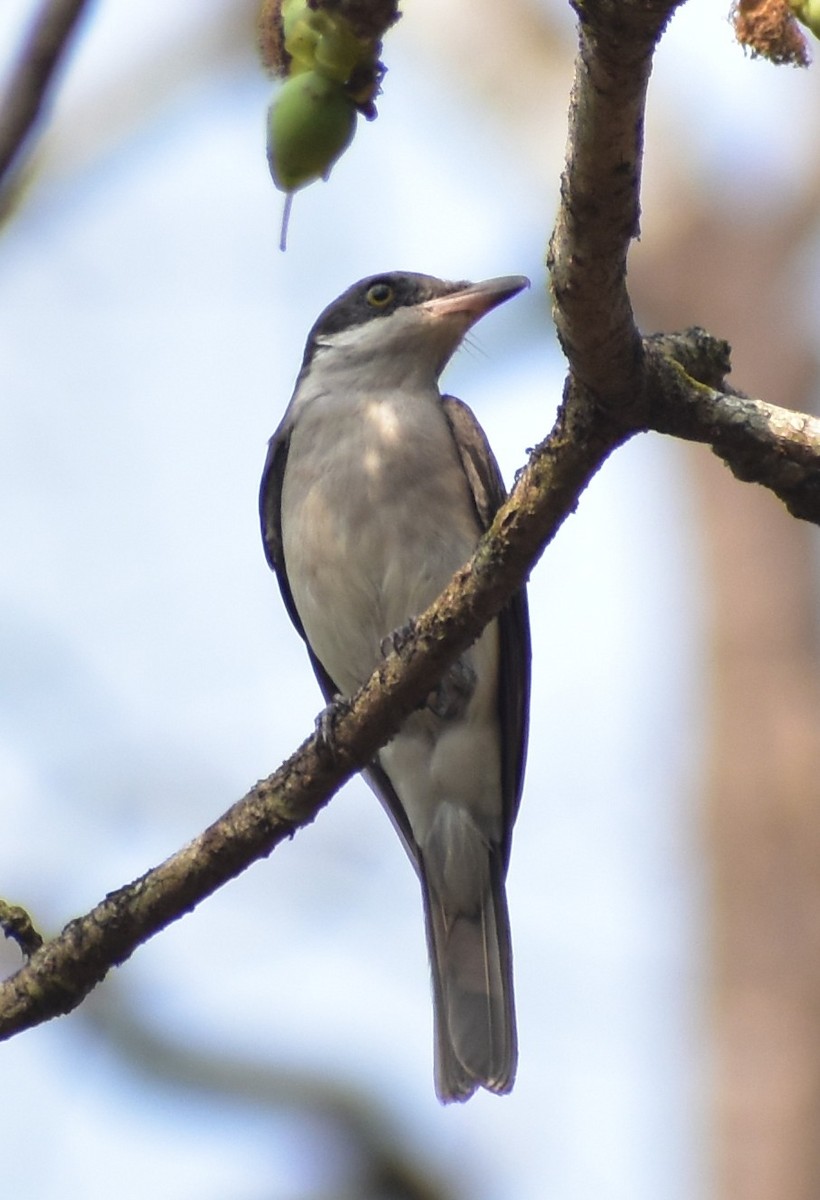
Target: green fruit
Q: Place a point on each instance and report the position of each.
(310, 124)
(301, 35)
(808, 11)
(318, 40)
(293, 13)
(338, 50)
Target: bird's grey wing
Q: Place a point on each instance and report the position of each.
(489, 493)
(470, 949)
(487, 487)
(270, 514)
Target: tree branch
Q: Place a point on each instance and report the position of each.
(618, 385)
(759, 442)
(383, 1158)
(15, 923)
(617, 378)
(63, 972)
(28, 86)
(600, 198)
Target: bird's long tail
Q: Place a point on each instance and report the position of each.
(468, 935)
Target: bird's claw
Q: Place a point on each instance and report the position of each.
(449, 699)
(396, 641)
(453, 693)
(326, 727)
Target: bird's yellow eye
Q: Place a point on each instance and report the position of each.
(379, 295)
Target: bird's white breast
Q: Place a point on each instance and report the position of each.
(376, 517)
(377, 514)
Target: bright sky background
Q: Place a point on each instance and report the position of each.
(151, 332)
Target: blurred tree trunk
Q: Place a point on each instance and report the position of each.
(736, 275)
(762, 802)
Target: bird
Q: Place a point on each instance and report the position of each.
(375, 490)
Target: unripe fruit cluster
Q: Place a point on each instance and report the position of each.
(332, 74)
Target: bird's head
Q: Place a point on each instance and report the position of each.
(402, 325)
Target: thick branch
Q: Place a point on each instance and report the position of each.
(28, 86)
(600, 197)
(65, 970)
(615, 377)
(615, 388)
(58, 976)
(589, 250)
(760, 442)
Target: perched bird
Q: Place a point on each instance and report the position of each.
(375, 490)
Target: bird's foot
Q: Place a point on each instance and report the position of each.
(398, 639)
(452, 694)
(450, 697)
(326, 727)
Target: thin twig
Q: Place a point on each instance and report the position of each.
(760, 443)
(16, 924)
(382, 1156)
(32, 77)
